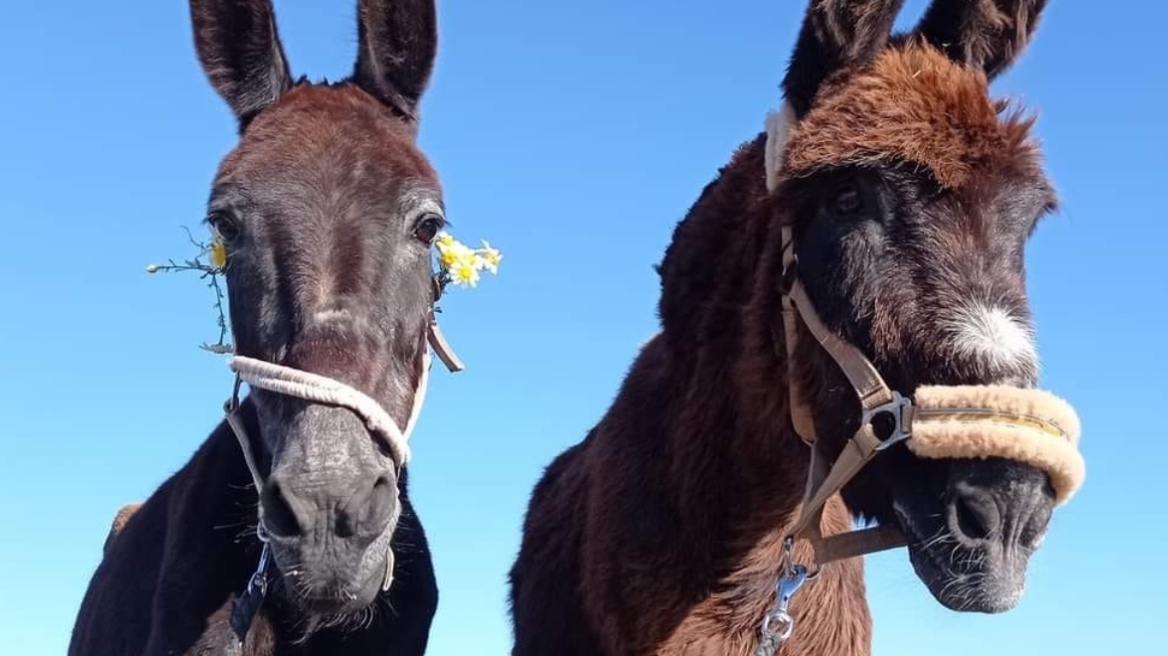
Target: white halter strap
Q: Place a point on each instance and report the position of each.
(316, 388)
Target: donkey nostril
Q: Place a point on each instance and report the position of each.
(367, 513)
(279, 517)
(975, 517)
(378, 510)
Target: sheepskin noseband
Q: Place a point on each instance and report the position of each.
(1029, 426)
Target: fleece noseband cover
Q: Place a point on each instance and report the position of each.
(1025, 425)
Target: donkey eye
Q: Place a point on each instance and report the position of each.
(847, 199)
(427, 229)
(224, 225)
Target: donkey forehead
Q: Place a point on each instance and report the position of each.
(324, 136)
(913, 104)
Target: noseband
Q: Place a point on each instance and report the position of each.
(315, 388)
(956, 421)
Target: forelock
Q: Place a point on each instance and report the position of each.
(910, 104)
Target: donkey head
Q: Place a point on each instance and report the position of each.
(328, 211)
(912, 194)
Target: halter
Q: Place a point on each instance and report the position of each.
(1024, 425)
(315, 388)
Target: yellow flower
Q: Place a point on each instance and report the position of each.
(218, 254)
(463, 264)
(490, 257)
(465, 273)
(451, 254)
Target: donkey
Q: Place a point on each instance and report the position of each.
(328, 211)
(905, 195)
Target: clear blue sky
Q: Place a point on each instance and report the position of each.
(573, 135)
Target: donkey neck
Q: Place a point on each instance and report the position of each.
(740, 469)
(737, 468)
(727, 366)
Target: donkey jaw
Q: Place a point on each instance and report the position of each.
(992, 588)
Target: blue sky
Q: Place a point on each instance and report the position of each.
(573, 135)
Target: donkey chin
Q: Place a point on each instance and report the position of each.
(972, 526)
(332, 577)
(330, 509)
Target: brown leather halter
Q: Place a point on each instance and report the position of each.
(885, 418)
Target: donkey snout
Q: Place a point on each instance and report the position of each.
(351, 508)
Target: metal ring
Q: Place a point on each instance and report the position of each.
(785, 621)
(896, 408)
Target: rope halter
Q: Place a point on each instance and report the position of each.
(315, 388)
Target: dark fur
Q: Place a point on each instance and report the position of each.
(322, 207)
(661, 532)
(169, 576)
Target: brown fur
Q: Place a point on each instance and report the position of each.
(709, 436)
(661, 532)
(912, 103)
(124, 514)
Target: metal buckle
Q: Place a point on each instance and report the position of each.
(897, 408)
(259, 578)
(779, 620)
(778, 625)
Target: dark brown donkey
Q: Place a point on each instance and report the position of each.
(328, 211)
(910, 194)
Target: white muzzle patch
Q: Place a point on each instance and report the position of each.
(992, 337)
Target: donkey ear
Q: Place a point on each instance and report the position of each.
(988, 34)
(398, 42)
(241, 53)
(836, 34)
